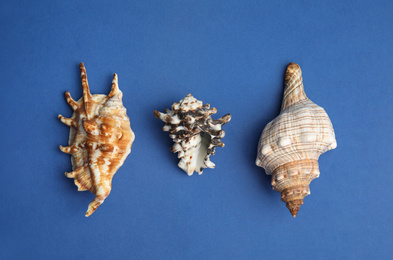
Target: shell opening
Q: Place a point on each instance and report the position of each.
(200, 163)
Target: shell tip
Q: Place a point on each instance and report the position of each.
(294, 212)
(293, 75)
(293, 66)
(294, 206)
(89, 212)
(92, 207)
(157, 114)
(115, 79)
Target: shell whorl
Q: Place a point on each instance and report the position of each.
(100, 139)
(291, 144)
(191, 127)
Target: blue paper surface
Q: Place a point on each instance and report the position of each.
(233, 55)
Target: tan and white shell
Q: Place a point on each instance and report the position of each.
(195, 133)
(291, 144)
(100, 139)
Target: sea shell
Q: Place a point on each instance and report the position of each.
(100, 139)
(291, 144)
(195, 133)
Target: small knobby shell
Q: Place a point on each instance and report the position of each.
(195, 133)
(291, 144)
(100, 139)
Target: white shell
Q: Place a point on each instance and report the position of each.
(194, 132)
(291, 144)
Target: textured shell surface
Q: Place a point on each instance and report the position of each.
(291, 144)
(100, 139)
(194, 132)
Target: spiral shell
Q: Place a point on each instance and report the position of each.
(291, 144)
(195, 133)
(100, 139)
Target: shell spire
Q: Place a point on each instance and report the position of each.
(194, 132)
(100, 139)
(291, 144)
(294, 89)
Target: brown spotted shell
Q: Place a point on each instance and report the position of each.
(100, 139)
(291, 144)
(194, 132)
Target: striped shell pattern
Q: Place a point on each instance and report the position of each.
(291, 144)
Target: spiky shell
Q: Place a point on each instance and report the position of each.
(100, 139)
(195, 133)
(291, 144)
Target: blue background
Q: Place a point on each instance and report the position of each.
(233, 55)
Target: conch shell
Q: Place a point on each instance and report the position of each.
(195, 133)
(100, 139)
(291, 144)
